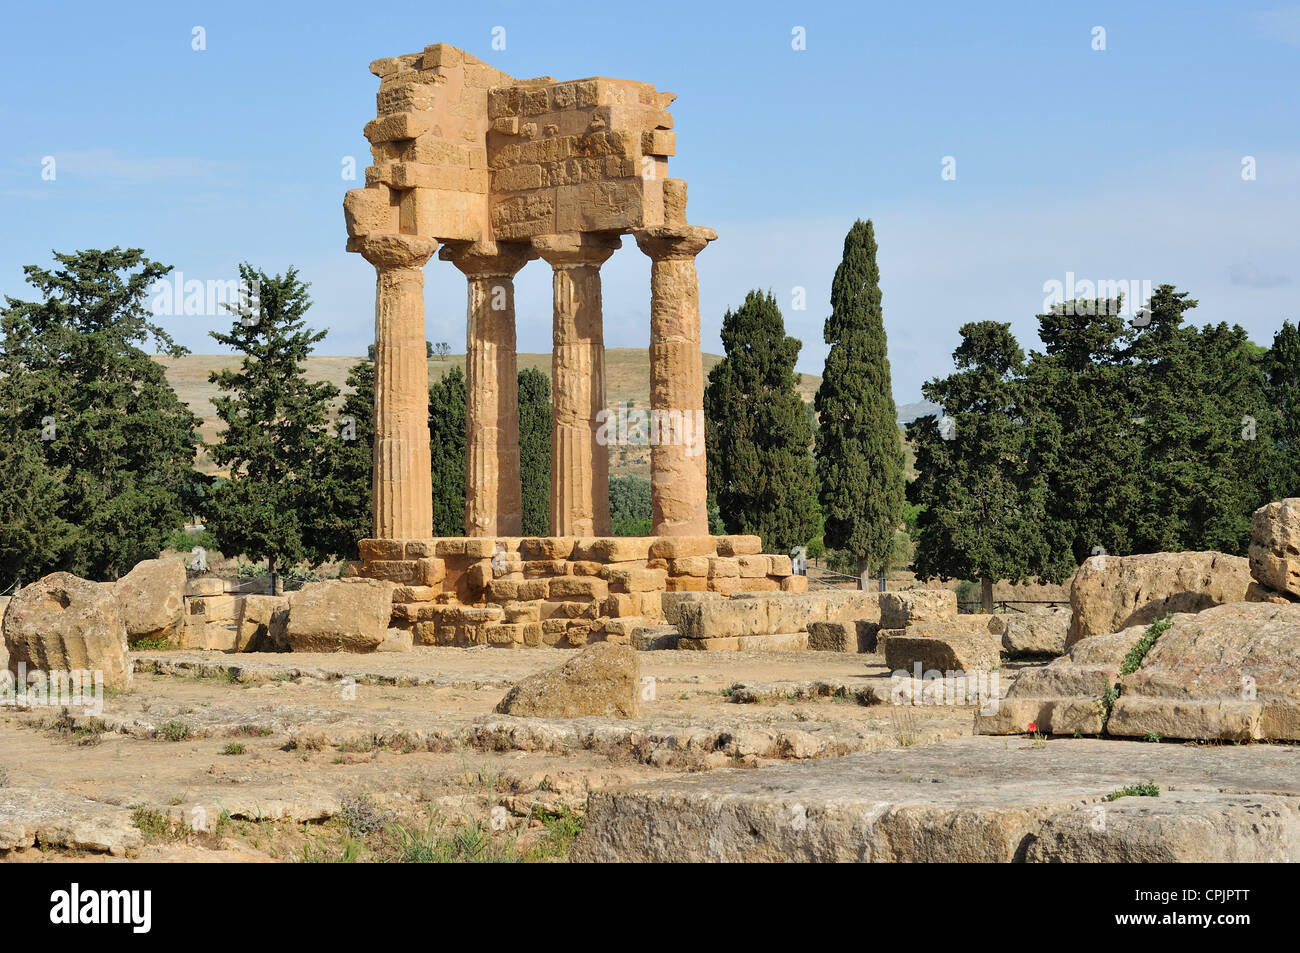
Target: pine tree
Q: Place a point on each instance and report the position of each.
(1087, 440)
(858, 449)
(535, 450)
(277, 430)
(758, 435)
(34, 538)
(1205, 436)
(447, 446)
(980, 498)
(77, 387)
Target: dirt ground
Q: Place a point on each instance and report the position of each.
(400, 757)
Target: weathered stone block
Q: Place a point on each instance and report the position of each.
(1111, 593)
(898, 610)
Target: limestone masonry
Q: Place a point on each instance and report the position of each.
(499, 172)
(560, 591)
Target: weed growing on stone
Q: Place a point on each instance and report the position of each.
(1145, 789)
(151, 645)
(156, 826)
(175, 730)
(1139, 651)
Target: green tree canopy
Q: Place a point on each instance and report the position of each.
(93, 411)
(980, 499)
(277, 433)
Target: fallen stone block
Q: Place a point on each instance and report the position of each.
(31, 817)
(1068, 695)
(654, 638)
(1112, 593)
(341, 615)
(1275, 546)
(1229, 673)
(62, 623)
(260, 624)
(1039, 632)
(943, 652)
(1177, 827)
(898, 610)
(397, 640)
(151, 599)
(602, 681)
(859, 636)
(982, 800)
(206, 586)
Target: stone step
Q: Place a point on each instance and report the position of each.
(968, 799)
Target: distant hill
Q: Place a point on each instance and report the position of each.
(627, 379)
(909, 412)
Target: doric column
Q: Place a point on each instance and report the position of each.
(678, 488)
(579, 463)
(403, 483)
(493, 491)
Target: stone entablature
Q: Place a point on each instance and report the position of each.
(512, 591)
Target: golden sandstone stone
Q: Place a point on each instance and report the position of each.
(498, 172)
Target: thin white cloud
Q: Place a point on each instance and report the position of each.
(97, 165)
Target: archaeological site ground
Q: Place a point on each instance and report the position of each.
(750, 534)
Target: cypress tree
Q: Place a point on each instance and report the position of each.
(858, 448)
(447, 447)
(81, 395)
(345, 484)
(535, 450)
(277, 430)
(759, 437)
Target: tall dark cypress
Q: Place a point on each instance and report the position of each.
(447, 452)
(859, 449)
(759, 437)
(535, 450)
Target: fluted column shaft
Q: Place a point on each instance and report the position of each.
(678, 483)
(579, 462)
(403, 481)
(493, 488)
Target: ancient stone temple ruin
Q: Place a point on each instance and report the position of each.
(493, 172)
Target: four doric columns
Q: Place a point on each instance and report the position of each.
(579, 462)
(493, 500)
(678, 488)
(403, 481)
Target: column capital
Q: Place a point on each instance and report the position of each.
(488, 259)
(394, 251)
(674, 241)
(582, 248)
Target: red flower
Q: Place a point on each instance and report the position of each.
(1032, 726)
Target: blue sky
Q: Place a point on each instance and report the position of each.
(1115, 164)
